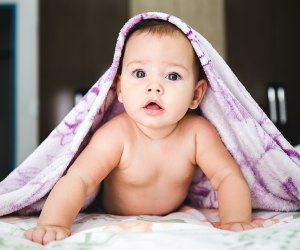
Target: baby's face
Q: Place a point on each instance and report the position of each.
(158, 79)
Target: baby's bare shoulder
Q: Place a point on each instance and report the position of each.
(115, 128)
(197, 123)
(201, 128)
(120, 120)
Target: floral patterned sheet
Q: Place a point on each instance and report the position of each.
(187, 228)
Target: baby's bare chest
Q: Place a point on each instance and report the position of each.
(144, 165)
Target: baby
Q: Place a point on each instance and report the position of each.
(146, 157)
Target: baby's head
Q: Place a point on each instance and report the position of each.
(160, 77)
(161, 28)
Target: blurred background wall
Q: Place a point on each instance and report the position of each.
(205, 16)
(19, 81)
(56, 49)
(77, 41)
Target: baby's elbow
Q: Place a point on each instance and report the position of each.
(87, 185)
(224, 177)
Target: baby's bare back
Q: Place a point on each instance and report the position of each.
(153, 176)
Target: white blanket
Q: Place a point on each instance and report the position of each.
(187, 229)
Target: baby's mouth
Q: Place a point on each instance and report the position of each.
(152, 106)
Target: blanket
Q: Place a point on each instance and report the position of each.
(267, 160)
(188, 228)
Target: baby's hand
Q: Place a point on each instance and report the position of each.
(46, 234)
(240, 226)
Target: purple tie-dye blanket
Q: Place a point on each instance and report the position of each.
(270, 164)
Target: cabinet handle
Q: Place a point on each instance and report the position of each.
(272, 104)
(282, 105)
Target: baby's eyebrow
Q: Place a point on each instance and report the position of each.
(178, 65)
(138, 62)
(143, 62)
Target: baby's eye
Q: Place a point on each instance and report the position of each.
(173, 76)
(139, 73)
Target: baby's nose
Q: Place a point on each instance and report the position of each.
(154, 89)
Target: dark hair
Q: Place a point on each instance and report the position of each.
(159, 27)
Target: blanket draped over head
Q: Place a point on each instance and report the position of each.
(269, 163)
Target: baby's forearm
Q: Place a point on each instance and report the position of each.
(234, 200)
(64, 202)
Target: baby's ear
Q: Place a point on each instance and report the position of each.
(199, 92)
(118, 86)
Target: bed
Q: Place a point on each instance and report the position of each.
(187, 228)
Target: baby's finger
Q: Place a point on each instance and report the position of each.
(257, 223)
(49, 236)
(247, 226)
(60, 235)
(38, 235)
(28, 234)
(235, 227)
(238, 227)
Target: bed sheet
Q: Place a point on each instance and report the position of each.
(188, 228)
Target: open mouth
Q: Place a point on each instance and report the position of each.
(153, 106)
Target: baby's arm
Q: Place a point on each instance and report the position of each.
(234, 198)
(95, 162)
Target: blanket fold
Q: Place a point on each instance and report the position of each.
(269, 163)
